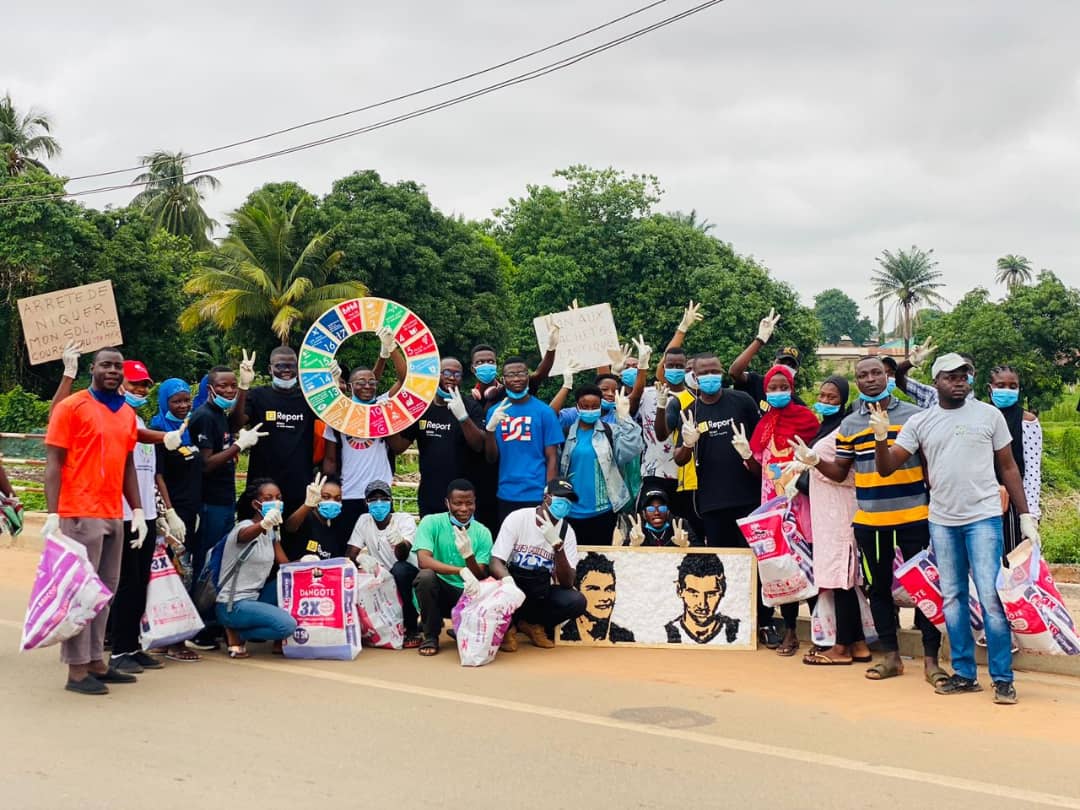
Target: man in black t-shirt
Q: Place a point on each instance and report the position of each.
(750, 381)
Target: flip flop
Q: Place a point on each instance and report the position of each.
(788, 650)
(936, 676)
(412, 641)
(182, 654)
(428, 647)
(238, 652)
(881, 671)
(816, 659)
(862, 659)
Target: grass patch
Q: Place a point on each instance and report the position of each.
(1060, 530)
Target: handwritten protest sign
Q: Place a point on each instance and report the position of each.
(586, 333)
(86, 315)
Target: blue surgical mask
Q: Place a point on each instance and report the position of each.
(134, 401)
(559, 507)
(778, 399)
(441, 394)
(675, 376)
(629, 377)
(589, 417)
(710, 383)
(877, 398)
(1005, 397)
(359, 401)
(223, 403)
(825, 409)
(606, 407)
(485, 372)
(380, 510)
(517, 394)
(266, 507)
(455, 522)
(890, 386)
(971, 379)
(284, 385)
(329, 509)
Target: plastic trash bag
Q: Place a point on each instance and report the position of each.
(481, 622)
(1037, 614)
(382, 621)
(170, 615)
(785, 564)
(321, 596)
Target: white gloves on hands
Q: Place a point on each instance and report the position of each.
(313, 493)
(689, 430)
(879, 422)
(71, 359)
(1029, 527)
(622, 406)
(618, 358)
(740, 442)
(551, 533)
(138, 523)
(636, 535)
(51, 525)
(246, 375)
(463, 542)
(691, 315)
(177, 529)
(644, 353)
(470, 583)
(804, 453)
(457, 405)
(249, 437)
(767, 325)
(571, 369)
(679, 535)
(662, 396)
(920, 355)
(386, 341)
(499, 415)
(553, 332)
(271, 521)
(174, 438)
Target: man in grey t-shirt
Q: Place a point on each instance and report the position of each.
(962, 441)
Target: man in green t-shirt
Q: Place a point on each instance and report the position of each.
(453, 551)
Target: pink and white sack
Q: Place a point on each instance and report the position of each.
(66, 596)
(321, 596)
(823, 620)
(1037, 614)
(481, 621)
(919, 579)
(170, 615)
(785, 564)
(382, 621)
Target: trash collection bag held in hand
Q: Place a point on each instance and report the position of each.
(321, 596)
(785, 565)
(382, 621)
(481, 622)
(920, 579)
(1037, 614)
(823, 620)
(170, 616)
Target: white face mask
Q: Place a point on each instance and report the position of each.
(285, 385)
(691, 381)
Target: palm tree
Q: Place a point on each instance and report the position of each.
(173, 201)
(262, 272)
(909, 279)
(24, 137)
(1012, 271)
(692, 220)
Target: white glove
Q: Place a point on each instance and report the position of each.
(246, 375)
(365, 562)
(271, 520)
(689, 430)
(463, 542)
(162, 526)
(919, 355)
(662, 396)
(879, 422)
(51, 525)
(636, 535)
(470, 582)
(71, 359)
(622, 406)
(618, 358)
(550, 532)
(386, 341)
(644, 354)
(795, 468)
(767, 325)
(138, 523)
(791, 488)
(174, 438)
(499, 415)
(553, 332)
(574, 304)
(571, 369)
(177, 529)
(249, 437)
(691, 315)
(1029, 527)
(740, 442)
(313, 493)
(804, 453)
(617, 536)
(457, 405)
(679, 535)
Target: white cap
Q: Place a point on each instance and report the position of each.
(948, 362)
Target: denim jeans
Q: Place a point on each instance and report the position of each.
(975, 548)
(255, 620)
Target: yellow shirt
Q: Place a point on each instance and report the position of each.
(687, 472)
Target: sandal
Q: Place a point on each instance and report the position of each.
(412, 641)
(182, 654)
(239, 652)
(818, 659)
(882, 670)
(862, 659)
(788, 649)
(936, 676)
(428, 647)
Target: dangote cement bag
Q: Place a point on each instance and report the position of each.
(382, 621)
(1037, 614)
(481, 622)
(66, 596)
(919, 578)
(785, 565)
(170, 615)
(321, 596)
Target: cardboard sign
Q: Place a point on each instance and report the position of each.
(673, 598)
(586, 333)
(86, 315)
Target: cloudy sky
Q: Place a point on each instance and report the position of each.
(813, 134)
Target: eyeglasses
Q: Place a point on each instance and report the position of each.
(450, 375)
(652, 510)
(516, 375)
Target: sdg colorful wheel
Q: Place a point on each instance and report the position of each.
(339, 411)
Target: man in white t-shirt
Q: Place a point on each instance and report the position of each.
(537, 547)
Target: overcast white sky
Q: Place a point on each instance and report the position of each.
(813, 134)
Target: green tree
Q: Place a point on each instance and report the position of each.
(909, 280)
(173, 200)
(24, 138)
(264, 273)
(1013, 270)
(692, 220)
(839, 316)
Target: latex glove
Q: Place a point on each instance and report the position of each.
(574, 304)
(271, 520)
(644, 354)
(804, 453)
(691, 315)
(71, 359)
(617, 536)
(174, 438)
(499, 415)
(1029, 527)
(177, 529)
(662, 396)
(386, 342)
(767, 325)
(162, 526)
(791, 488)
(138, 523)
(463, 542)
(679, 534)
(553, 333)
(740, 442)
(618, 358)
(51, 525)
(571, 369)
(622, 406)
(689, 430)
(246, 375)
(550, 532)
(249, 437)
(365, 562)
(879, 422)
(795, 468)
(457, 405)
(509, 580)
(470, 582)
(313, 493)
(920, 355)
(636, 535)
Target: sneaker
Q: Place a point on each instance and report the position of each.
(87, 686)
(769, 637)
(510, 641)
(113, 675)
(1004, 693)
(125, 663)
(956, 685)
(204, 643)
(537, 635)
(146, 661)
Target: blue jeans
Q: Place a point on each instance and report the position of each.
(215, 522)
(255, 620)
(973, 548)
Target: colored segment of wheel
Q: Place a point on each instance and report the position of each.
(321, 344)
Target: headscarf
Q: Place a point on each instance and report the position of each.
(780, 425)
(203, 396)
(163, 419)
(1014, 418)
(831, 423)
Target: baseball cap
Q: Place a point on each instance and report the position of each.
(788, 353)
(654, 495)
(378, 486)
(948, 362)
(135, 371)
(561, 488)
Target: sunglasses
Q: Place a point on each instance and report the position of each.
(652, 510)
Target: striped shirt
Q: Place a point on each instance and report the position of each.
(902, 497)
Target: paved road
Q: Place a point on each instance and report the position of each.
(558, 728)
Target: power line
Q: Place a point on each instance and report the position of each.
(530, 75)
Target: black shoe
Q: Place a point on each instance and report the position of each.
(125, 663)
(146, 661)
(769, 637)
(204, 642)
(87, 686)
(1004, 693)
(957, 685)
(114, 675)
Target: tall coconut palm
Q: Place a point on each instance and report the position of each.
(692, 220)
(173, 200)
(1012, 271)
(24, 138)
(907, 279)
(263, 272)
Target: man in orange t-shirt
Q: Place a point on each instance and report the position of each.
(89, 469)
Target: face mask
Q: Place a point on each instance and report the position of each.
(825, 409)
(517, 394)
(891, 385)
(329, 509)
(778, 399)
(1005, 397)
(691, 381)
(559, 507)
(443, 394)
(971, 379)
(172, 420)
(455, 522)
(266, 507)
(878, 398)
(589, 417)
(675, 376)
(134, 401)
(629, 377)
(359, 401)
(710, 383)
(284, 385)
(223, 403)
(606, 407)
(380, 510)
(485, 372)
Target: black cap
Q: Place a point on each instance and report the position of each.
(654, 495)
(561, 488)
(889, 361)
(788, 353)
(378, 486)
